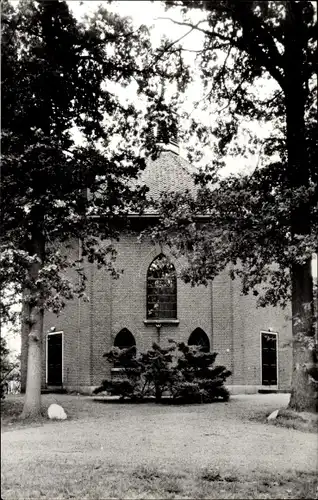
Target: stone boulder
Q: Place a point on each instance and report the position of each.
(56, 412)
(273, 415)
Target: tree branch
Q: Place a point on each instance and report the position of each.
(247, 43)
(173, 43)
(196, 27)
(251, 23)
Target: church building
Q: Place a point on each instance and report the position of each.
(149, 303)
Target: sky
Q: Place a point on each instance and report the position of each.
(153, 15)
(149, 13)
(141, 12)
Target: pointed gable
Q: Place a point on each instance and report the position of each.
(169, 172)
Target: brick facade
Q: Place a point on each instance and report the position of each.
(231, 321)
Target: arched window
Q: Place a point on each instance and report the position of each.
(200, 339)
(124, 339)
(161, 289)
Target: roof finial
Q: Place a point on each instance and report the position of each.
(167, 132)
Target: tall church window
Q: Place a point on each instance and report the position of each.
(161, 289)
(199, 339)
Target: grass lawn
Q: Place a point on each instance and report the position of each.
(104, 451)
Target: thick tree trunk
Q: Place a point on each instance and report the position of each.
(303, 393)
(303, 396)
(25, 330)
(32, 402)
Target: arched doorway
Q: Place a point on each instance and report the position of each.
(199, 339)
(124, 339)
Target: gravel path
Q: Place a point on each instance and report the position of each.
(185, 438)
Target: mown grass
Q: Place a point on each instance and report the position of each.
(78, 407)
(99, 482)
(306, 422)
(80, 460)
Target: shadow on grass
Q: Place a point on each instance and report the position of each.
(301, 421)
(11, 410)
(143, 482)
(212, 484)
(165, 400)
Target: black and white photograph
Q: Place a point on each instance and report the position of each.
(159, 249)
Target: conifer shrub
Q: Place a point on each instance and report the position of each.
(128, 381)
(184, 373)
(198, 379)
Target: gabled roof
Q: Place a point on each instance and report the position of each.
(169, 172)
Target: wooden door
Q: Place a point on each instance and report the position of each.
(269, 358)
(54, 359)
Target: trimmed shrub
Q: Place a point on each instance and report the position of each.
(198, 380)
(185, 373)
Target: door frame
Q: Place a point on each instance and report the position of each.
(61, 332)
(268, 332)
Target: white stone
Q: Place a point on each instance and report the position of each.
(56, 412)
(273, 415)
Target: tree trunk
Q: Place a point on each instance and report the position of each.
(32, 402)
(25, 330)
(303, 392)
(303, 396)
(34, 298)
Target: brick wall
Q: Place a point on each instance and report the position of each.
(222, 310)
(232, 322)
(121, 303)
(73, 322)
(248, 322)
